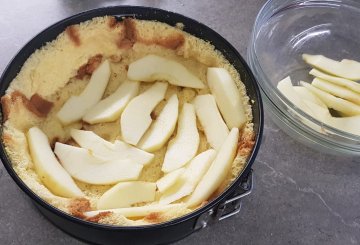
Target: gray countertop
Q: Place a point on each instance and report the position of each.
(300, 196)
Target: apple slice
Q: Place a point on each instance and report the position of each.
(81, 158)
(110, 108)
(318, 110)
(287, 89)
(187, 182)
(169, 179)
(319, 113)
(82, 165)
(49, 170)
(108, 151)
(124, 150)
(125, 194)
(306, 105)
(209, 116)
(349, 69)
(354, 86)
(138, 211)
(305, 94)
(217, 171)
(336, 90)
(77, 106)
(163, 127)
(135, 119)
(348, 124)
(338, 104)
(91, 141)
(152, 67)
(110, 172)
(227, 96)
(184, 146)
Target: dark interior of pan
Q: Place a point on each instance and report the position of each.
(177, 228)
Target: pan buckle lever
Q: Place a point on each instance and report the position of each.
(228, 208)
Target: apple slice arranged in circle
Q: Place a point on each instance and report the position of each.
(187, 182)
(152, 67)
(108, 151)
(184, 146)
(136, 119)
(217, 171)
(227, 97)
(77, 106)
(161, 130)
(83, 165)
(169, 179)
(125, 194)
(110, 108)
(48, 168)
(209, 116)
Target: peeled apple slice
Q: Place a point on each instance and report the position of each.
(152, 67)
(354, 86)
(184, 146)
(198, 167)
(82, 165)
(227, 96)
(48, 168)
(110, 172)
(138, 211)
(169, 179)
(125, 194)
(322, 114)
(110, 108)
(349, 69)
(81, 158)
(348, 124)
(305, 103)
(108, 151)
(187, 182)
(91, 141)
(209, 116)
(126, 151)
(287, 89)
(77, 106)
(217, 171)
(135, 119)
(305, 94)
(336, 90)
(163, 127)
(338, 104)
(319, 113)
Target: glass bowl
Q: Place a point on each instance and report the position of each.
(283, 31)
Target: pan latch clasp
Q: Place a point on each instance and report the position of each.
(228, 208)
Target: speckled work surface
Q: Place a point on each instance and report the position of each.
(300, 196)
